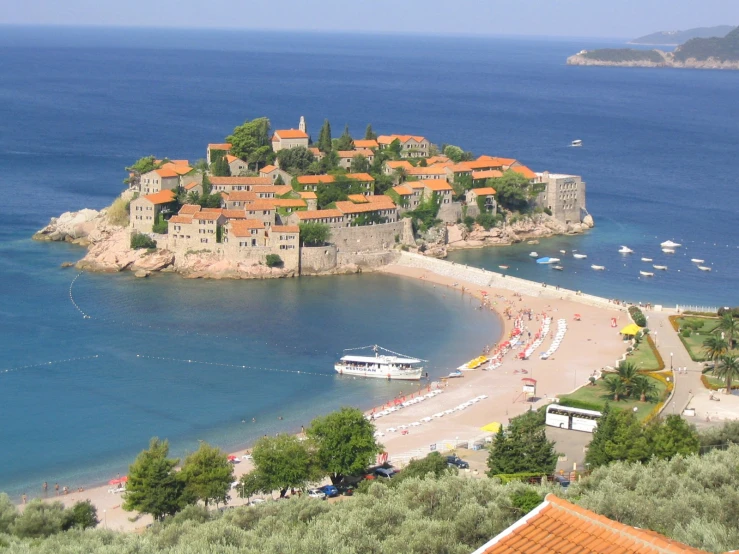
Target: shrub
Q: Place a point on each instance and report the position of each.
(139, 240)
(686, 332)
(487, 220)
(638, 316)
(273, 260)
(118, 212)
(469, 221)
(161, 226)
(573, 403)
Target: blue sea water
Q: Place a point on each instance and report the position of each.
(78, 105)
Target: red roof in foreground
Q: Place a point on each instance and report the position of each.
(162, 197)
(557, 526)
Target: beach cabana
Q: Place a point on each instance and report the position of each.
(630, 330)
(493, 427)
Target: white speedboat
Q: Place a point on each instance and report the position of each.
(580, 256)
(558, 267)
(503, 266)
(668, 250)
(534, 254)
(704, 268)
(547, 260)
(670, 244)
(661, 267)
(576, 143)
(563, 251)
(646, 273)
(697, 261)
(381, 366)
(646, 259)
(625, 250)
(598, 267)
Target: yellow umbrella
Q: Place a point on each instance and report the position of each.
(492, 427)
(632, 329)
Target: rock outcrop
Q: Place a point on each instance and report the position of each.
(668, 60)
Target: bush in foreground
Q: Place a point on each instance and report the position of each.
(139, 240)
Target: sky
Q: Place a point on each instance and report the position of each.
(576, 18)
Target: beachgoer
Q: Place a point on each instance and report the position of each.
(24, 498)
(46, 486)
(254, 420)
(56, 488)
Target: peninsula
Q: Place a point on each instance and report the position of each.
(673, 38)
(696, 53)
(275, 204)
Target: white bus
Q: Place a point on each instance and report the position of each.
(575, 419)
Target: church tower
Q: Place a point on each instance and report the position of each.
(301, 125)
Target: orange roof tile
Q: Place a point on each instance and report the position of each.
(436, 185)
(230, 181)
(523, 170)
(358, 198)
(190, 186)
(387, 139)
(504, 162)
(557, 526)
(234, 214)
(242, 196)
(487, 174)
(268, 169)
(483, 191)
(166, 172)
(243, 227)
(189, 209)
(365, 143)
(214, 210)
(285, 228)
(430, 170)
(315, 179)
(356, 152)
(395, 164)
(288, 202)
(318, 214)
(316, 152)
(437, 159)
(289, 134)
(162, 197)
(461, 167)
(179, 169)
(261, 204)
(308, 195)
(347, 207)
(361, 177)
(181, 219)
(221, 146)
(208, 216)
(231, 159)
(403, 190)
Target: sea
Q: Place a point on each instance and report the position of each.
(229, 361)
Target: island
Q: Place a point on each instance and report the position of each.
(696, 53)
(673, 38)
(269, 203)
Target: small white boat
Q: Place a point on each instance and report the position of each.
(576, 142)
(598, 267)
(662, 267)
(646, 273)
(580, 256)
(646, 259)
(503, 266)
(534, 254)
(670, 244)
(668, 250)
(558, 267)
(455, 374)
(563, 251)
(697, 261)
(547, 260)
(704, 268)
(625, 250)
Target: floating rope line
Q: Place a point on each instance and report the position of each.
(71, 297)
(237, 366)
(47, 364)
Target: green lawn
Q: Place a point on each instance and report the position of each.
(598, 395)
(643, 357)
(694, 343)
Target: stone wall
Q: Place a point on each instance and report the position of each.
(450, 213)
(484, 278)
(367, 260)
(317, 259)
(367, 238)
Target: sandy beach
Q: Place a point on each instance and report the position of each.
(589, 344)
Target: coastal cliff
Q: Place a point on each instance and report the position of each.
(666, 59)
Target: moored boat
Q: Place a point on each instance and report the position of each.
(668, 250)
(598, 267)
(503, 266)
(669, 244)
(473, 364)
(534, 254)
(704, 268)
(558, 267)
(662, 267)
(580, 256)
(454, 374)
(576, 143)
(697, 261)
(646, 259)
(625, 250)
(547, 260)
(381, 366)
(563, 251)
(646, 273)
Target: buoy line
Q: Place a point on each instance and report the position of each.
(237, 366)
(71, 297)
(47, 364)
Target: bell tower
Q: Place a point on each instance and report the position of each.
(301, 125)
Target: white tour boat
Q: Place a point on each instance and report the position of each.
(670, 244)
(381, 366)
(576, 142)
(598, 267)
(646, 259)
(625, 250)
(704, 268)
(668, 250)
(580, 256)
(697, 261)
(662, 267)
(646, 273)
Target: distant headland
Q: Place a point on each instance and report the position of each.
(696, 53)
(673, 38)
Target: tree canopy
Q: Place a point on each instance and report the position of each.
(251, 141)
(280, 463)
(523, 447)
(456, 154)
(314, 234)
(220, 168)
(324, 138)
(360, 164)
(344, 443)
(345, 141)
(295, 160)
(369, 134)
(514, 191)
(208, 474)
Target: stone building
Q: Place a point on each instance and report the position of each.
(146, 209)
(220, 149)
(410, 146)
(236, 166)
(160, 179)
(289, 138)
(488, 195)
(564, 195)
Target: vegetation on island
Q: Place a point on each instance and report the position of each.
(621, 55)
(314, 234)
(522, 448)
(721, 48)
(140, 240)
(252, 143)
(669, 38)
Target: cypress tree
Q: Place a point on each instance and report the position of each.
(324, 138)
(369, 134)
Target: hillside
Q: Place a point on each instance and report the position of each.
(673, 38)
(723, 49)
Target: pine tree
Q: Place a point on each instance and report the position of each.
(345, 141)
(369, 134)
(324, 137)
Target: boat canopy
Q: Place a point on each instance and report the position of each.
(380, 360)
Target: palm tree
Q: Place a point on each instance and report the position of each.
(626, 373)
(715, 347)
(616, 387)
(727, 327)
(728, 368)
(643, 386)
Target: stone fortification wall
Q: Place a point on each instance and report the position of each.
(450, 213)
(486, 278)
(317, 259)
(367, 260)
(367, 238)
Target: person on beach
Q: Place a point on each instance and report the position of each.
(24, 498)
(56, 488)
(46, 487)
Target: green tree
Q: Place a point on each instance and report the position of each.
(627, 372)
(727, 369)
(603, 434)
(324, 137)
(345, 141)
(616, 387)
(138, 168)
(359, 164)
(208, 475)
(672, 437)
(514, 191)
(281, 463)
(8, 513)
(211, 200)
(454, 153)
(40, 519)
(295, 160)
(728, 327)
(153, 486)
(369, 134)
(139, 240)
(618, 437)
(344, 443)
(314, 234)
(161, 226)
(83, 515)
(433, 464)
(251, 141)
(644, 386)
(261, 157)
(522, 448)
(395, 148)
(220, 168)
(279, 181)
(273, 260)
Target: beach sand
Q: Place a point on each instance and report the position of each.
(589, 344)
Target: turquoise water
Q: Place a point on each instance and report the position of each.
(78, 105)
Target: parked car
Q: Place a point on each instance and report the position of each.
(387, 472)
(329, 490)
(317, 493)
(562, 480)
(346, 490)
(457, 462)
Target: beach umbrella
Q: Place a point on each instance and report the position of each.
(231, 458)
(631, 329)
(493, 427)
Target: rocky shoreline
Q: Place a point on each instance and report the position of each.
(109, 250)
(668, 60)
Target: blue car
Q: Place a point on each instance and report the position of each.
(329, 490)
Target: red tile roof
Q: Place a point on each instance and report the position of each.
(242, 196)
(523, 170)
(365, 143)
(318, 214)
(162, 197)
(243, 227)
(437, 159)
(268, 169)
(483, 191)
(208, 216)
(402, 190)
(387, 139)
(436, 185)
(395, 164)
(487, 174)
(285, 228)
(358, 198)
(231, 159)
(361, 177)
(261, 204)
(234, 214)
(221, 146)
(356, 152)
(347, 207)
(240, 181)
(166, 172)
(287, 202)
(308, 195)
(179, 169)
(315, 179)
(289, 134)
(431, 170)
(190, 186)
(557, 526)
(181, 219)
(189, 209)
